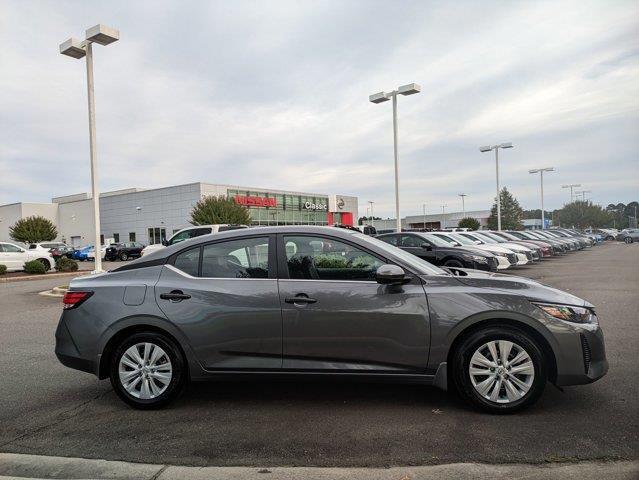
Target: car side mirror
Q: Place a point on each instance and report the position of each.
(165, 243)
(426, 246)
(391, 275)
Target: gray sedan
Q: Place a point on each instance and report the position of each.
(292, 302)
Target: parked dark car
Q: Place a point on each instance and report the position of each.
(317, 302)
(124, 251)
(441, 253)
(62, 251)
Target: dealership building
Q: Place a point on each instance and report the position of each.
(153, 215)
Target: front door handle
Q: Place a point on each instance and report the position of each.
(300, 299)
(175, 296)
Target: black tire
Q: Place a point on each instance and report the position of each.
(474, 341)
(45, 263)
(178, 367)
(124, 257)
(628, 240)
(453, 263)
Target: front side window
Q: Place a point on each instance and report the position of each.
(392, 239)
(8, 248)
(412, 241)
(322, 258)
(243, 258)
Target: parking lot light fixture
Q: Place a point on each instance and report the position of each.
(463, 195)
(410, 89)
(496, 148)
(571, 186)
(370, 202)
(541, 171)
(102, 35)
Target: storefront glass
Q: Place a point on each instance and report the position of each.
(289, 209)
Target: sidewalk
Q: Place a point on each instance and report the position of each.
(41, 467)
(44, 276)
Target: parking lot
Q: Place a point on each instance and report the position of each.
(51, 410)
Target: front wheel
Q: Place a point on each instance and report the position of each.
(147, 370)
(45, 263)
(628, 240)
(124, 257)
(499, 369)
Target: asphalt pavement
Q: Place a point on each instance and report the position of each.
(47, 409)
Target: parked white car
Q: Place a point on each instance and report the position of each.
(46, 245)
(524, 254)
(91, 252)
(505, 256)
(14, 257)
(191, 232)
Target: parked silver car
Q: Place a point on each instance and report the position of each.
(629, 235)
(323, 302)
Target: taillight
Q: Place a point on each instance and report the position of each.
(73, 299)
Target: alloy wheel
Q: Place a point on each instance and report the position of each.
(145, 370)
(501, 371)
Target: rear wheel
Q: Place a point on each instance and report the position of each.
(147, 370)
(124, 257)
(499, 369)
(628, 239)
(45, 263)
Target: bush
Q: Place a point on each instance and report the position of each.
(34, 267)
(65, 264)
(469, 222)
(33, 229)
(212, 210)
(3, 269)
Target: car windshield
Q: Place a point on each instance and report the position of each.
(422, 265)
(494, 236)
(439, 242)
(461, 239)
(447, 237)
(506, 235)
(485, 238)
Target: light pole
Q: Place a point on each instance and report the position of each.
(424, 213)
(443, 216)
(370, 202)
(571, 186)
(541, 179)
(381, 97)
(462, 195)
(583, 194)
(488, 148)
(74, 48)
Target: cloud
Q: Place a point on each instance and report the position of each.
(275, 95)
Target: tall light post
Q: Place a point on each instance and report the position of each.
(443, 216)
(75, 48)
(496, 148)
(381, 97)
(571, 186)
(583, 194)
(424, 213)
(370, 202)
(463, 195)
(541, 171)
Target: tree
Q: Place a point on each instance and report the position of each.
(212, 210)
(511, 212)
(365, 219)
(33, 229)
(582, 214)
(469, 222)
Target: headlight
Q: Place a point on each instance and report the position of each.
(568, 313)
(478, 259)
(500, 254)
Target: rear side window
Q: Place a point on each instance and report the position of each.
(188, 261)
(244, 258)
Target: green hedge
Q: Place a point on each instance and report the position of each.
(34, 267)
(3, 269)
(65, 264)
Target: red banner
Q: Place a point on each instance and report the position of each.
(255, 201)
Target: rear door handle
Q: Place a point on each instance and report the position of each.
(175, 296)
(300, 299)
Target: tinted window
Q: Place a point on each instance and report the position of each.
(188, 261)
(7, 247)
(412, 241)
(244, 258)
(323, 258)
(393, 240)
(224, 228)
(180, 237)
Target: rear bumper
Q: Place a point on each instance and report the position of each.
(68, 353)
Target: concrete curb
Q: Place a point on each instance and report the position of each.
(46, 276)
(43, 467)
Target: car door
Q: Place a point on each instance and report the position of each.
(12, 256)
(337, 318)
(223, 296)
(415, 244)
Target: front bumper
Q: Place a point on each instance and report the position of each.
(583, 358)
(502, 263)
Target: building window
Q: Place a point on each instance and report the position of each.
(101, 239)
(131, 236)
(157, 235)
(116, 237)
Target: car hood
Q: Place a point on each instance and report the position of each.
(513, 285)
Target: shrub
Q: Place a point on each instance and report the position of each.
(3, 269)
(34, 267)
(33, 229)
(469, 222)
(65, 264)
(211, 210)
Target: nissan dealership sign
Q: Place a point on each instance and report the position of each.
(315, 206)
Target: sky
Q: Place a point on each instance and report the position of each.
(274, 94)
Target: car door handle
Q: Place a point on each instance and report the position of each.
(300, 299)
(175, 296)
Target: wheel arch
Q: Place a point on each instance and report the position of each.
(454, 257)
(520, 322)
(104, 358)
